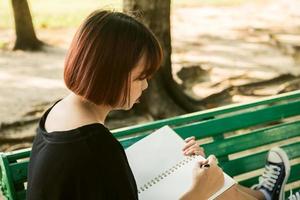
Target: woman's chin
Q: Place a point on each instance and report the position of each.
(128, 107)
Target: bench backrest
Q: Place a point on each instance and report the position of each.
(239, 135)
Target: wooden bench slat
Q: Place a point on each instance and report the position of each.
(18, 154)
(130, 141)
(256, 161)
(247, 141)
(19, 171)
(217, 126)
(21, 195)
(222, 125)
(200, 115)
(7, 185)
(273, 134)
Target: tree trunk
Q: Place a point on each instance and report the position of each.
(25, 35)
(163, 98)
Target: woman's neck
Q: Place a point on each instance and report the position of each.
(98, 112)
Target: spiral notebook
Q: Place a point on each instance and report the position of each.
(161, 170)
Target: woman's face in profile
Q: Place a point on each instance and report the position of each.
(137, 85)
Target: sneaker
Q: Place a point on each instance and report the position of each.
(275, 175)
(295, 196)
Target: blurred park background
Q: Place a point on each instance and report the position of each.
(220, 52)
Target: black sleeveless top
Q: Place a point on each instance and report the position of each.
(86, 163)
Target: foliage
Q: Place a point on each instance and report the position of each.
(69, 13)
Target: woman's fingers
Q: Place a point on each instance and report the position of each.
(189, 144)
(192, 147)
(207, 171)
(195, 150)
(203, 162)
(190, 138)
(201, 152)
(212, 160)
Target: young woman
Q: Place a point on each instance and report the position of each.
(74, 156)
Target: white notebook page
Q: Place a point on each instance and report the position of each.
(160, 169)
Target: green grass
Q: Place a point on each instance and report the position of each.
(70, 13)
(56, 13)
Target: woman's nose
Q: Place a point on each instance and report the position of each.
(145, 84)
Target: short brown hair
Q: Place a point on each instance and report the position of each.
(105, 49)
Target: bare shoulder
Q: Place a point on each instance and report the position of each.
(64, 116)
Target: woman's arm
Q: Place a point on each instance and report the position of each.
(193, 195)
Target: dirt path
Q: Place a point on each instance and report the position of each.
(230, 46)
(236, 46)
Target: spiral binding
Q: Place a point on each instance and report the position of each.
(165, 174)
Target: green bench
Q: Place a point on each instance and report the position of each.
(239, 135)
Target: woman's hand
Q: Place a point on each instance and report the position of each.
(206, 180)
(192, 147)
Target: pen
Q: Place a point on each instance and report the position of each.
(204, 165)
